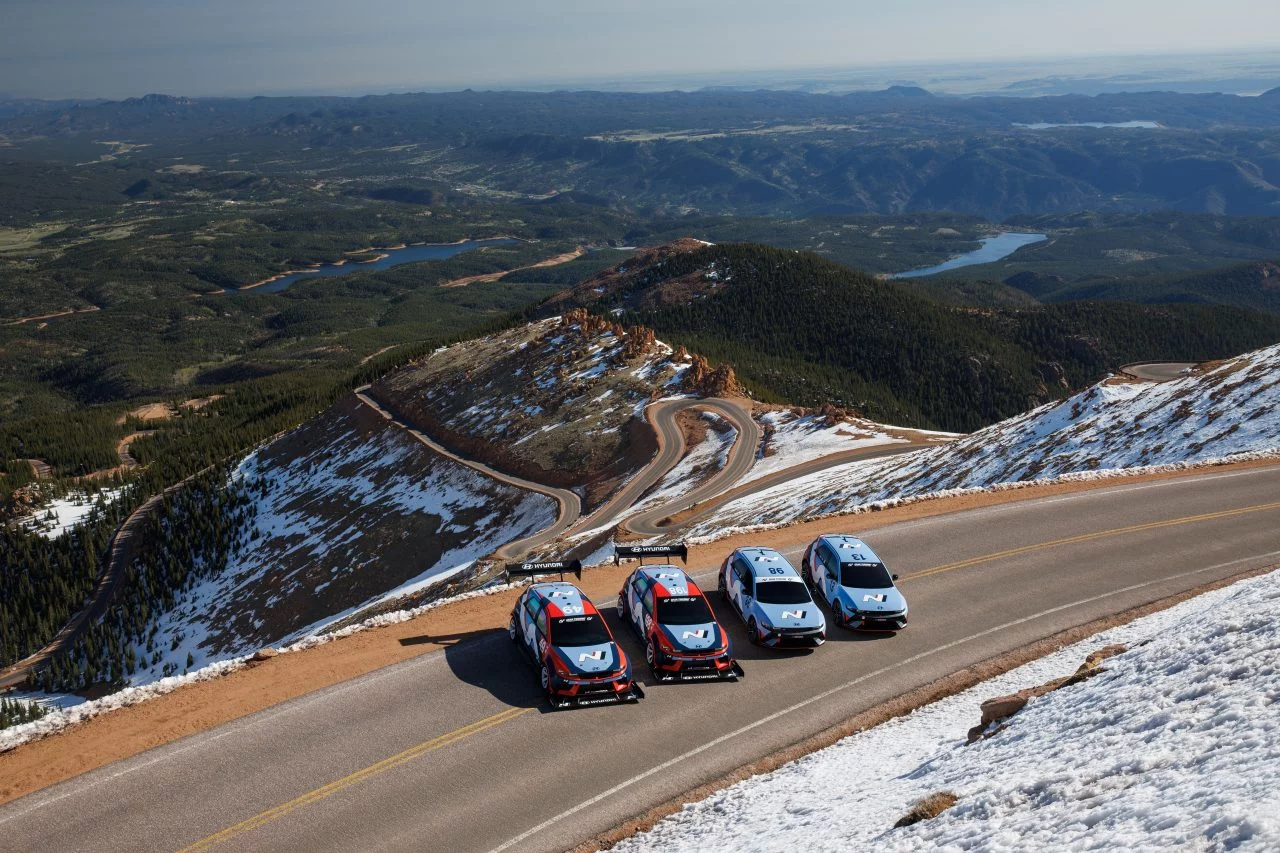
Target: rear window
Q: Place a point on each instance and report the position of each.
(865, 576)
(579, 631)
(684, 610)
(782, 592)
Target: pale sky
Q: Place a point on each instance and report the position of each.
(120, 48)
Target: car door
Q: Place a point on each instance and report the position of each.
(635, 593)
(529, 625)
(647, 611)
(830, 563)
(746, 584)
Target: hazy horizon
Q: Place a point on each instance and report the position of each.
(79, 49)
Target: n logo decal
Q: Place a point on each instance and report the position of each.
(792, 614)
(598, 654)
(879, 597)
(700, 634)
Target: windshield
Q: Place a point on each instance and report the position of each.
(684, 610)
(782, 592)
(865, 576)
(579, 631)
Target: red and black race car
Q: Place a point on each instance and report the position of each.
(566, 639)
(682, 639)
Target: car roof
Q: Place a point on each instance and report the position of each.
(758, 558)
(851, 548)
(562, 598)
(668, 580)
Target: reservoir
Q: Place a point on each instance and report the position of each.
(992, 249)
(391, 258)
(1123, 125)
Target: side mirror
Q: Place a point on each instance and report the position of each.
(895, 577)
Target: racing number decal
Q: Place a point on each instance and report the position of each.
(776, 570)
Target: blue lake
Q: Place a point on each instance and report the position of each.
(1123, 125)
(394, 257)
(992, 249)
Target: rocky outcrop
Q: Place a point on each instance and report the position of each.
(1000, 708)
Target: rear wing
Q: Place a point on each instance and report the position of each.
(545, 567)
(642, 551)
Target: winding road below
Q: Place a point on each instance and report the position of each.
(453, 750)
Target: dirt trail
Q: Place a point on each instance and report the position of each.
(21, 320)
(494, 276)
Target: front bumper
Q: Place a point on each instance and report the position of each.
(574, 693)
(697, 668)
(865, 621)
(793, 638)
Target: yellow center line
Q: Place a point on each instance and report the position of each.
(355, 778)
(1086, 537)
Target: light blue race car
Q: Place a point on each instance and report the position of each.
(772, 599)
(852, 580)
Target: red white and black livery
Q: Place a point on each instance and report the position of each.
(683, 641)
(564, 636)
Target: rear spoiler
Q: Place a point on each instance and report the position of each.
(545, 567)
(642, 551)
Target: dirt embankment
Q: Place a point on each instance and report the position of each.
(555, 261)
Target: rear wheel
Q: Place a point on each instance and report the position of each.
(720, 587)
(511, 629)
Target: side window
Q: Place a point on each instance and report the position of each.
(531, 609)
(542, 622)
(648, 600)
(829, 561)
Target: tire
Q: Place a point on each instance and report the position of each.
(753, 633)
(546, 681)
(511, 629)
(622, 609)
(837, 614)
(651, 656)
(720, 587)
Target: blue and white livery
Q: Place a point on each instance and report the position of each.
(772, 599)
(851, 578)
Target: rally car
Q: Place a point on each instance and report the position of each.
(564, 636)
(852, 580)
(682, 639)
(772, 599)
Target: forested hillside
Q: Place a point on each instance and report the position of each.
(802, 329)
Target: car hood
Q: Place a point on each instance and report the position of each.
(872, 600)
(693, 638)
(589, 660)
(803, 615)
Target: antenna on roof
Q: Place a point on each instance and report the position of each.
(642, 551)
(545, 567)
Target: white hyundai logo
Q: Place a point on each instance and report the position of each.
(793, 614)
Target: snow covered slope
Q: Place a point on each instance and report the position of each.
(1224, 410)
(1175, 747)
(349, 510)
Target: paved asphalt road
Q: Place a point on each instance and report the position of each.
(452, 751)
(1159, 371)
(570, 506)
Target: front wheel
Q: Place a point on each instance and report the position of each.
(720, 587)
(511, 629)
(837, 613)
(546, 680)
(650, 655)
(753, 633)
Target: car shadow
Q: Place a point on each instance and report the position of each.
(489, 660)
